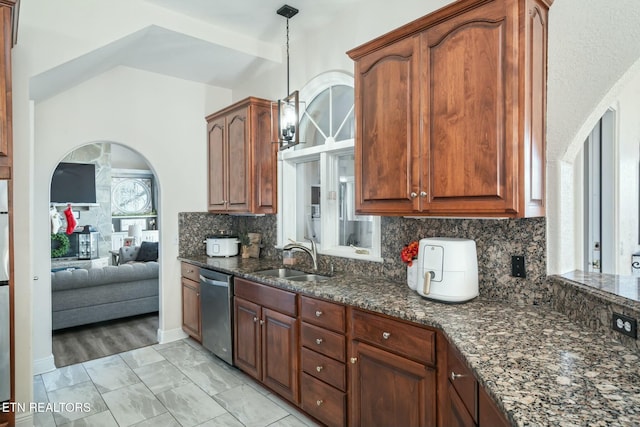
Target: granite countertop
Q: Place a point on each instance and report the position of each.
(540, 367)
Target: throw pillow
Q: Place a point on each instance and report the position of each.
(148, 252)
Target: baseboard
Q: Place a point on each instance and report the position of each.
(170, 335)
(24, 419)
(44, 365)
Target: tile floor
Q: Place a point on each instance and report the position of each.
(174, 384)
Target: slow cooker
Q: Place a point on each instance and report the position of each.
(222, 244)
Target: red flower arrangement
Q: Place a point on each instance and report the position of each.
(409, 253)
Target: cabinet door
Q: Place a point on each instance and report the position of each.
(239, 160)
(191, 308)
(456, 414)
(488, 413)
(217, 165)
(470, 112)
(280, 353)
(389, 390)
(247, 343)
(265, 160)
(387, 130)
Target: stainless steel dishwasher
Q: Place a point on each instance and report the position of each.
(216, 311)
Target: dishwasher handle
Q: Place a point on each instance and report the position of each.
(213, 282)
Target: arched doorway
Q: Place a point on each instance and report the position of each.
(117, 309)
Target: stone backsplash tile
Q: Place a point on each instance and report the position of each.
(193, 229)
(496, 241)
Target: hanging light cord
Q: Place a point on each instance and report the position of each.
(288, 93)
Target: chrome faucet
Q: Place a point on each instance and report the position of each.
(313, 253)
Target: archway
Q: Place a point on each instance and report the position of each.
(108, 164)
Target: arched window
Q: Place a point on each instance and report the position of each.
(317, 177)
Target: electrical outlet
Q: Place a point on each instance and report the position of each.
(625, 325)
(517, 266)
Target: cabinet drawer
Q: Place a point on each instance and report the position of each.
(323, 401)
(323, 341)
(463, 381)
(323, 313)
(404, 339)
(190, 271)
(266, 296)
(324, 368)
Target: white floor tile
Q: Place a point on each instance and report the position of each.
(190, 405)
(64, 377)
(141, 357)
(110, 373)
(132, 404)
(250, 407)
(86, 393)
(161, 376)
(164, 420)
(225, 420)
(103, 419)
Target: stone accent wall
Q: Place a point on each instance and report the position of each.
(100, 216)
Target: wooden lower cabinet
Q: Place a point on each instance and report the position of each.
(191, 322)
(323, 393)
(349, 367)
(388, 390)
(468, 404)
(265, 338)
(393, 376)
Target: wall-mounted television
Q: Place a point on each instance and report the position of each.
(74, 183)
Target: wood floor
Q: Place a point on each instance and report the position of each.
(82, 343)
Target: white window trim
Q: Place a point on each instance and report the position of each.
(287, 161)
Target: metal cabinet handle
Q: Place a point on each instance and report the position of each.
(454, 376)
(261, 322)
(255, 319)
(319, 402)
(386, 335)
(318, 313)
(353, 360)
(414, 194)
(423, 194)
(319, 368)
(319, 341)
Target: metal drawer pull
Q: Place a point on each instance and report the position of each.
(354, 360)
(318, 313)
(414, 194)
(319, 402)
(386, 335)
(319, 368)
(454, 376)
(319, 341)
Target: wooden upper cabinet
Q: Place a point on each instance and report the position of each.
(386, 110)
(451, 113)
(8, 17)
(242, 159)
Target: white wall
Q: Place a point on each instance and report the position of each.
(164, 122)
(628, 135)
(593, 53)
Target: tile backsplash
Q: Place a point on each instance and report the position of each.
(496, 241)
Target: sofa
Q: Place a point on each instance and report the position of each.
(81, 296)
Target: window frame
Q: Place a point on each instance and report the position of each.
(327, 154)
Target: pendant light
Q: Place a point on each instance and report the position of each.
(288, 107)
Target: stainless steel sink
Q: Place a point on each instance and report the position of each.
(281, 273)
(309, 278)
